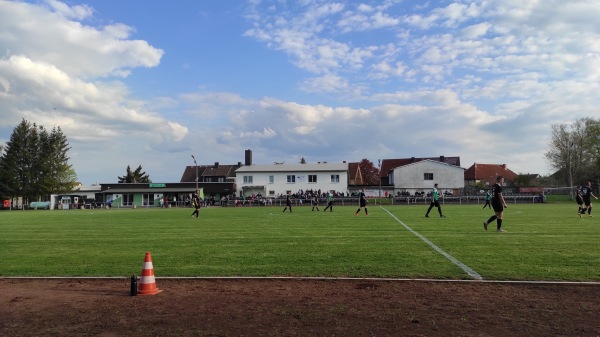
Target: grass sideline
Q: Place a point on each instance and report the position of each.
(543, 242)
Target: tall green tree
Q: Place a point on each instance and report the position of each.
(31, 160)
(17, 161)
(137, 176)
(60, 178)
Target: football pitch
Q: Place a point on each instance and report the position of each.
(542, 242)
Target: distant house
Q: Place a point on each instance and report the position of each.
(387, 165)
(420, 176)
(487, 174)
(216, 180)
(281, 179)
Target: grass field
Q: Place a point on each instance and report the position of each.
(542, 242)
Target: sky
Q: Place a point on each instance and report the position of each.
(152, 83)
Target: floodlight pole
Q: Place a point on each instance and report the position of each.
(570, 167)
(379, 180)
(195, 163)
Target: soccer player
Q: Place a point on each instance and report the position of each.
(435, 201)
(315, 202)
(362, 203)
(579, 200)
(329, 203)
(196, 203)
(288, 203)
(488, 197)
(587, 194)
(498, 204)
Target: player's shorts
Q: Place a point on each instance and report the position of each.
(363, 203)
(579, 200)
(435, 203)
(498, 207)
(587, 201)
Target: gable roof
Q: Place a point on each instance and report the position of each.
(489, 172)
(354, 174)
(189, 174)
(424, 161)
(320, 167)
(389, 164)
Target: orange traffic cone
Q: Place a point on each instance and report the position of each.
(147, 284)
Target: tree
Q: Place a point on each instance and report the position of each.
(574, 151)
(17, 161)
(137, 176)
(522, 180)
(369, 172)
(31, 160)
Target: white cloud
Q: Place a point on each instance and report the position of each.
(78, 12)
(475, 31)
(57, 71)
(91, 52)
(325, 84)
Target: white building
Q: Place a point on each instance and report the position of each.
(281, 179)
(422, 175)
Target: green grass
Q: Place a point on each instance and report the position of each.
(543, 242)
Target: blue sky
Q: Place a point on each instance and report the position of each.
(151, 83)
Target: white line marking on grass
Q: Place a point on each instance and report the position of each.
(308, 278)
(461, 265)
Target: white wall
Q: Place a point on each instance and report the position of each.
(411, 177)
(280, 186)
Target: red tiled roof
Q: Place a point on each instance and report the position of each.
(354, 174)
(489, 172)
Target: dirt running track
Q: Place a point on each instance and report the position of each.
(287, 307)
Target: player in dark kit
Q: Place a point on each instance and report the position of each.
(498, 204)
(288, 203)
(579, 201)
(315, 202)
(362, 203)
(587, 194)
(196, 203)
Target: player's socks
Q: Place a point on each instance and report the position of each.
(499, 222)
(492, 218)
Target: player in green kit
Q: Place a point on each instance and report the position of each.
(329, 203)
(435, 201)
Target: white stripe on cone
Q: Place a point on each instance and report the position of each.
(147, 280)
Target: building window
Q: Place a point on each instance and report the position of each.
(428, 176)
(271, 179)
(127, 199)
(148, 199)
(291, 179)
(335, 178)
(312, 178)
(271, 193)
(247, 179)
(221, 179)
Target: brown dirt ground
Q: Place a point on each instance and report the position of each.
(292, 307)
